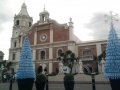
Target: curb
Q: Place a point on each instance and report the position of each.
(80, 82)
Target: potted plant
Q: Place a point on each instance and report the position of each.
(112, 64)
(68, 59)
(69, 82)
(25, 73)
(40, 81)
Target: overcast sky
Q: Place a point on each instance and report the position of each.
(87, 16)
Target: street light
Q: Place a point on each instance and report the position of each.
(45, 70)
(93, 81)
(89, 72)
(46, 81)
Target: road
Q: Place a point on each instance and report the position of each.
(5, 86)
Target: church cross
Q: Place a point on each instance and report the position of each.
(44, 7)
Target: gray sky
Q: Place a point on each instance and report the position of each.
(87, 15)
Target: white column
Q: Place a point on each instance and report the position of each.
(11, 43)
(51, 34)
(34, 54)
(71, 28)
(98, 48)
(10, 56)
(21, 40)
(35, 38)
(18, 56)
(70, 32)
(71, 46)
(50, 57)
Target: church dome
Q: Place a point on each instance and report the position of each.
(44, 12)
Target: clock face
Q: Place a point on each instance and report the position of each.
(43, 37)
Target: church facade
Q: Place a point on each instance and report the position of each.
(48, 39)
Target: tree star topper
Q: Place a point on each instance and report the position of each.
(111, 17)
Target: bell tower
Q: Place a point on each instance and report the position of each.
(44, 16)
(22, 23)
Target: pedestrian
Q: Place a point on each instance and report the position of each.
(11, 81)
(4, 78)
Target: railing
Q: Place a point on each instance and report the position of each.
(88, 57)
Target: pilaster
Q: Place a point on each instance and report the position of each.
(51, 33)
(35, 38)
(50, 57)
(98, 48)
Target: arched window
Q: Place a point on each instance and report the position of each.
(59, 52)
(17, 22)
(15, 44)
(13, 56)
(42, 55)
(29, 24)
(43, 18)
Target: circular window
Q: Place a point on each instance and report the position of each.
(43, 37)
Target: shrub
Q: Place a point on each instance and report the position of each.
(68, 77)
(40, 77)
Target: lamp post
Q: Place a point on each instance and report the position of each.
(93, 81)
(92, 77)
(45, 70)
(11, 81)
(46, 81)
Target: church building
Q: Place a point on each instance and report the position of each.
(48, 39)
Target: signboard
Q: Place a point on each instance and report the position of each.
(66, 69)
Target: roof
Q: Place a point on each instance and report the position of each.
(23, 10)
(1, 53)
(44, 12)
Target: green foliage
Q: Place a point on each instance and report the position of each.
(40, 77)
(2, 63)
(68, 77)
(68, 52)
(67, 58)
(39, 70)
(62, 54)
(1, 88)
(102, 55)
(95, 58)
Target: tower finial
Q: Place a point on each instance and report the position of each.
(111, 18)
(70, 19)
(44, 7)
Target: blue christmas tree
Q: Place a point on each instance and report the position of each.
(25, 67)
(112, 64)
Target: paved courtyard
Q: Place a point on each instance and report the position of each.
(79, 78)
(82, 82)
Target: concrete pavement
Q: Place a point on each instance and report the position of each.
(79, 78)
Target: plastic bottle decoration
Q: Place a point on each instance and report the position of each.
(25, 68)
(112, 64)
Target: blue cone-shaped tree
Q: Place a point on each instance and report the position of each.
(25, 73)
(112, 64)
